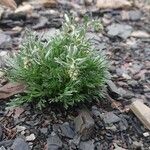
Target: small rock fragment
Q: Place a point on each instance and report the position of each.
(66, 130)
(6, 143)
(110, 118)
(31, 137)
(19, 144)
(54, 142)
(87, 145)
(118, 148)
(121, 30)
(146, 134)
(137, 145)
(5, 41)
(2, 148)
(84, 124)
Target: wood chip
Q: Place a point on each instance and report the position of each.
(11, 89)
(142, 112)
(113, 4)
(9, 3)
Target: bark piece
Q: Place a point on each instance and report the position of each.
(11, 89)
(113, 4)
(9, 3)
(142, 112)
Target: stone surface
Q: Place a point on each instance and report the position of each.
(31, 137)
(6, 143)
(5, 41)
(84, 124)
(87, 145)
(121, 30)
(67, 130)
(54, 142)
(20, 144)
(110, 118)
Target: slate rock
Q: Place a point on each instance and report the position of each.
(20, 144)
(84, 125)
(110, 118)
(54, 142)
(67, 130)
(43, 22)
(5, 41)
(2, 148)
(135, 15)
(113, 89)
(121, 30)
(87, 145)
(6, 143)
(1, 132)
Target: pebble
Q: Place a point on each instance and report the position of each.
(31, 137)
(146, 134)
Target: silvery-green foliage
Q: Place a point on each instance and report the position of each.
(63, 70)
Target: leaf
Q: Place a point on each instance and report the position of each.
(11, 89)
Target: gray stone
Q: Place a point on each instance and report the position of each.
(20, 144)
(87, 145)
(110, 118)
(54, 142)
(113, 89)
(5, 41)
(121, 30)
(2, 148)
(44, 130)
(43, 22)
(135, 15)
(67, 130)
(84, 125)
(6, 143)
(123, 124)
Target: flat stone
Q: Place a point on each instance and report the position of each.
(135, 15)
(84, 125)
(54, 142)
(113, 89)
(6, 143)
(87, 145)
(110, 118)
(5, 41)
(67, 130)
(20, 144)
(121, 30)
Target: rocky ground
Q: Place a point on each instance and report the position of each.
(108, 125)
